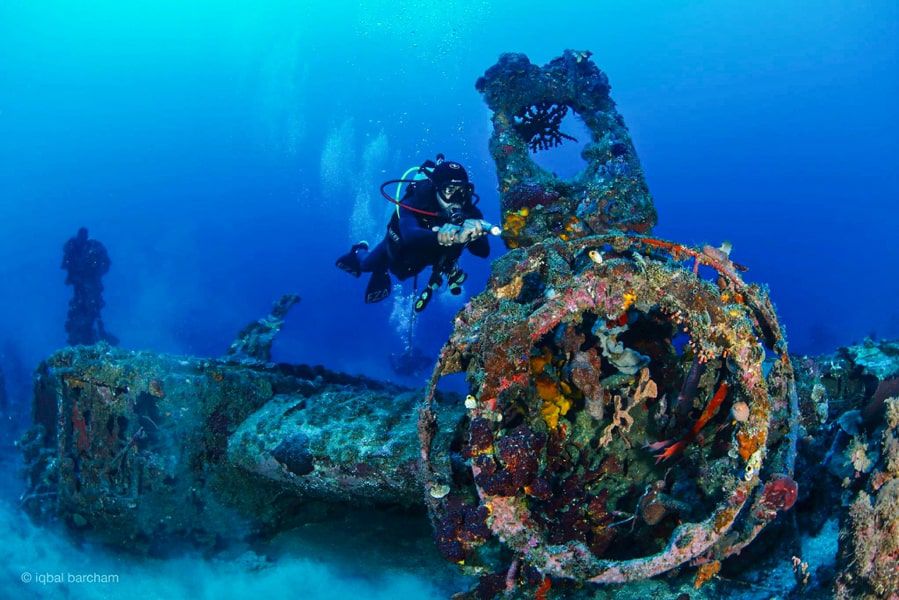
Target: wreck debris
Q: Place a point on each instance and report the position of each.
(862, 462)
(556, 512)
(86, 262)
(869, 545)
(528, 104)
(572, 371)
(570, 355)
(343, 444)
(146, 452)
(254, 342)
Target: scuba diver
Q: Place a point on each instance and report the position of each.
(86, 262)
(436, 219)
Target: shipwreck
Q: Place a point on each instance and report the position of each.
(632, 406)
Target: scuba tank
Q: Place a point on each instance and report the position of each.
(421, 172)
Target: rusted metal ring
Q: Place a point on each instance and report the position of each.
(646, 274)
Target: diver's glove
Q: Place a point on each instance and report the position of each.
(447, 235)
(471, 230)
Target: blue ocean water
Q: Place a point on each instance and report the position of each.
(227, 152)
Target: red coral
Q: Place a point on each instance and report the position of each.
(780, 493)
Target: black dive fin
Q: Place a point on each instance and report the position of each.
(378, 287)
(349, 262)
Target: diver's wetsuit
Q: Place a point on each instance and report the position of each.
(410, 245)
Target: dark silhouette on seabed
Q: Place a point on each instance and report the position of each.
(86, 261)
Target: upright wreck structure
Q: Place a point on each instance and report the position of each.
(631, 402)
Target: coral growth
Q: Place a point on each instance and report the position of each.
(463, 526)
(514, 464)
(576, 379)
(527, 196)
(706, 572)
(528, 104)
(621, 418)
(870, 548)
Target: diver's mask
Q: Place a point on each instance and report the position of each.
(453, 198)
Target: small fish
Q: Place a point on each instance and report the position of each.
(669, 449)
(721, 254)
(543, 588)
(595, 256)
